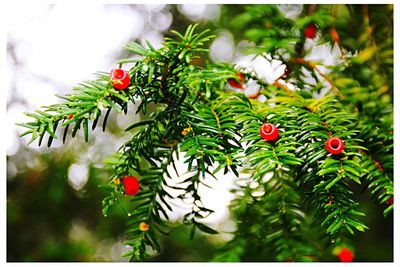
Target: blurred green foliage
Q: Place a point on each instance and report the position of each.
(43, 211)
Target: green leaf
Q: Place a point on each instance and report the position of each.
(136, 48)
(337, 223)
(205, 228)
(330, 216)
(387, 211)
(150, 45)
(138, 124)
(86, 129)
(151, 72)
(328, 170)
(333, 182)
(76, 127)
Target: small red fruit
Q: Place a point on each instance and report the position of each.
(234, 83)
(269, 132)
(120, 79)
(334, 145)
(131, 185)
(390, 201)
(144, 227)
(346, 255)
(310, 31)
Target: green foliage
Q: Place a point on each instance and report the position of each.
(294, 184)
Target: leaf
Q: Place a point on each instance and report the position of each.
(333, 182)
(65, 133)
(328, 170)
(316, 156)
(86, 129)
(358, 213)
(150, 45)
(138, 124)
(42, 131)
(365, 55)
(50, 140)
(97, 114)
(387, 211)
(177, 33)
(136, 48)
(358, 225)
(335, 225)
(205, 228)
(349, 229)
(330, 216)
(76, 127)
(106, 118)
(151, 72)
(152, 241)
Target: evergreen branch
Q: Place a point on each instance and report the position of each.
(275, 159)
(332, 188)
(379, 183)
(87, 104)
(163, 69)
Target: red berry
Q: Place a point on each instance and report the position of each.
(131, 185)
(389, 201)
(334, 145)
(120, 79)
(346, 255)
(310, 31)
(234, 83)
(269, 132)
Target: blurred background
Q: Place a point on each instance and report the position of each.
(53, 198)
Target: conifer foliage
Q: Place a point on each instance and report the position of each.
(306, 150)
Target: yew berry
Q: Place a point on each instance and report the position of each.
(70, 116)
(269, 132)
(390, 201)
(238, 82)
(346, 255)
(144, 227)
(310, 31)
(131, 185)
(186, 131)
(334, 145)
(120, 79)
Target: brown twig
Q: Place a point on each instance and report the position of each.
(335, 35)
(283, 87)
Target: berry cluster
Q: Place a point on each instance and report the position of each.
(269, 132)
